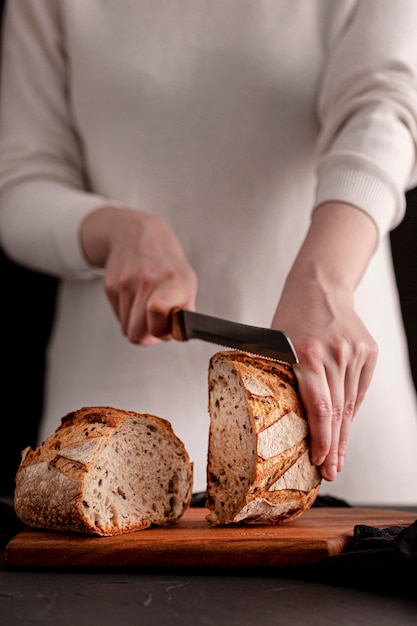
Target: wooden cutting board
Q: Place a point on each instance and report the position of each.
(193, 542)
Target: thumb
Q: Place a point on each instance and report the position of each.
(159, 308)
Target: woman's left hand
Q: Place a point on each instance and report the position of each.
(337, 354)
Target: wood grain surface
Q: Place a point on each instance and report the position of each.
(193, 542)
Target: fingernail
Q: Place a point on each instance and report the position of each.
(317, 460)
(329, 473)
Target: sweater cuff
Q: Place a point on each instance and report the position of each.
(67, 237)
(364, 190)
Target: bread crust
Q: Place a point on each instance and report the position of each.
(100, 453)
(259, 469)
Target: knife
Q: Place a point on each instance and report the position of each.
(273, 344)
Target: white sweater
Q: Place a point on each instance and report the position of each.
(232, 120)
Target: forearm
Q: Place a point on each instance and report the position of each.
(337, 249)
(336, 352)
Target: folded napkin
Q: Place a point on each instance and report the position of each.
(383, 560)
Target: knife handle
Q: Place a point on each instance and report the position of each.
(178, 325)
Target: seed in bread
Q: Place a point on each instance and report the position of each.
(259, 468)
(105, 471)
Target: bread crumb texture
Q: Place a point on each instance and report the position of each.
(105, 471)
(259, 469)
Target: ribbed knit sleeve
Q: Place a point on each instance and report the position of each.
(42, 195)
(367, 110)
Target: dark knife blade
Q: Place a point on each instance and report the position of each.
(273, 344)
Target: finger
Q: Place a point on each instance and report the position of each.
(112, 294)
(137, 330)
(149, 316)
(365, 377)
(357, 380)
(315, 394)
(352, 378)
(162, 301)
(129, 295)
(342, 379)
(120, 294)
(330, 465)
(125, 305)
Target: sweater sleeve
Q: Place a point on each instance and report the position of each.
(43, 197)
(367, 110)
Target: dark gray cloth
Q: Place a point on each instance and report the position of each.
(383, 560)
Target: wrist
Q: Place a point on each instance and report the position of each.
(102, 226)
(337, 249)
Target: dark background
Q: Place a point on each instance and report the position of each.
(27, 309)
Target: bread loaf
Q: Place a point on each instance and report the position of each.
(105, 471)
(259, 468)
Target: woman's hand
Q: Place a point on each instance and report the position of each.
(336, 352)
(146, 272)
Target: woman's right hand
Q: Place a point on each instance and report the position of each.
(146, 271)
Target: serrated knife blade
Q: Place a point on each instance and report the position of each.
(273, 344)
